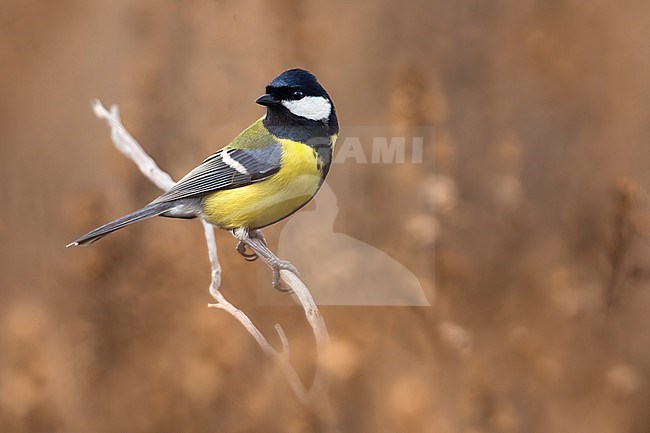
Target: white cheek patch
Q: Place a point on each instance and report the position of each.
(310, 107)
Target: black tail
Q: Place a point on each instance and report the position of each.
(148, 211)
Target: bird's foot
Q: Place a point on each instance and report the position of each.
(241, 249)
(241, 234)
(278, 265)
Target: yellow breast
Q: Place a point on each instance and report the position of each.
(262, 203)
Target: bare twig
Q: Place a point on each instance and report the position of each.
(316, 398)
(130, 148)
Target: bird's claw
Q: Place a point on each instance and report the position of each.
(241, 249)
(276, 264)
(276, 267)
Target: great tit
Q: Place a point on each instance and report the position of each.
(269, 171)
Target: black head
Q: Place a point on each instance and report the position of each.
(296, 96)
(295, 80)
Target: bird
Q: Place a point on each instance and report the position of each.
(266, 173)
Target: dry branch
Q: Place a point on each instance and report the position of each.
(316, 397)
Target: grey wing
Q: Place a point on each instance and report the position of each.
(226, 169)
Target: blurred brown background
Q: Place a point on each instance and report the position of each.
(537, 212)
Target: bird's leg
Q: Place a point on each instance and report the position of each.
(257, 234)
(255, 240)
(240, 234)
(272, 260)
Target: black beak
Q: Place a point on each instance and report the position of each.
(267, 100)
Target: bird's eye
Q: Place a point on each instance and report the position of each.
(297, 95)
